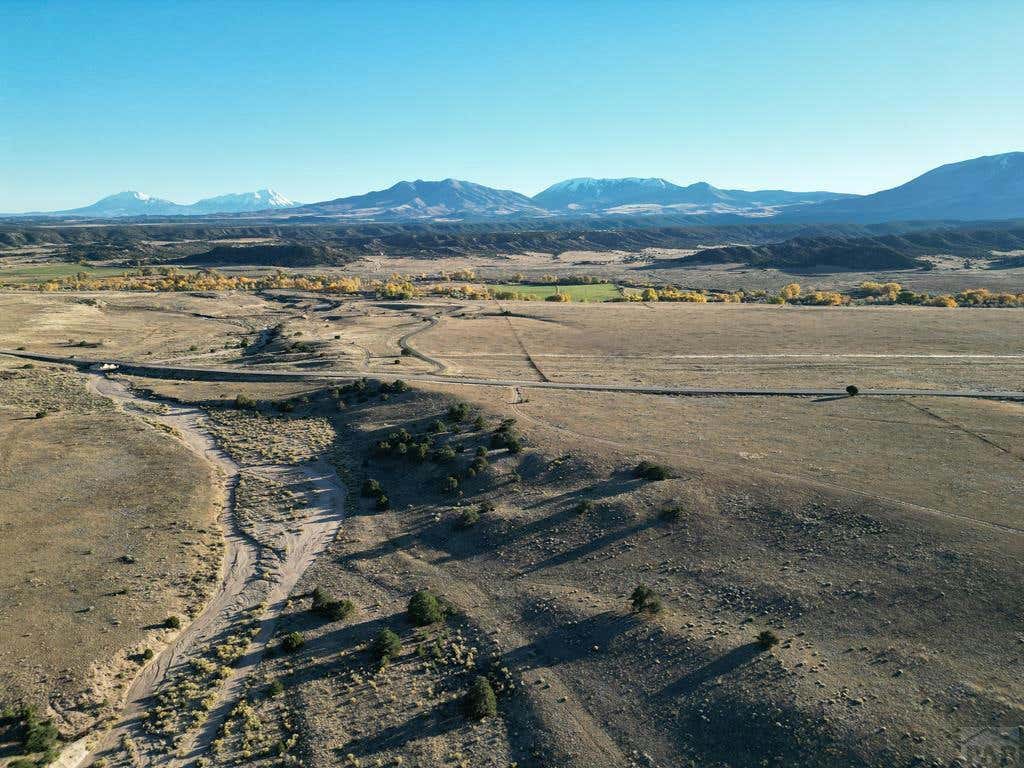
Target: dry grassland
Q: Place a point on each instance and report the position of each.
(109, 528)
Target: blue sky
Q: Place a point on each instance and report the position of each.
(322, 99)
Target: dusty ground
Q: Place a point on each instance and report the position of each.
(878, 538)
(109, 529)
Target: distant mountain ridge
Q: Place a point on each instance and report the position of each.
(428, 199)
(985, 188)
(619, 195)
(131, 203)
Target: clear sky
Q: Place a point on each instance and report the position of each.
(323, 99)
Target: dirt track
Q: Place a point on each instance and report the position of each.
(251, 574)
(255, 375)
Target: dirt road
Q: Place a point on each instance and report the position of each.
(252, 574)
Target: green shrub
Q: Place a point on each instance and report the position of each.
(479, 423)
(330, 608)
(293, 641)
(276, 688)
(371, 487)
(852, 390)
(383, 502)
(650, 471)
(481, 452)
(469, 518)
(424, 609)
(480, 700)
(445, 454)
(450, 484)
(437, 426)
(457, 412)
(148, 654)
(766, 639)
(41, 414)
(671, 514)
(40, 735)
(172, 622)
(244, 402)
(584, 506)
(386, 645)
(645, 600)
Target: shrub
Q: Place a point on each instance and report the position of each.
(766, 639)
(479, 464)
(457, 412)
(424, 609)
(852, 390)
(650, 471)
(383, 502)
(480, 700)
(172, 622)
(148, 654)
(645, 600)
(444, 454)
(371, 487)
(469, 518)
(386, 645)
(276, 688)
(583, 506)
(331, 609)
(450, 484)
(437, 426)
(244, 402)
(671, 514)
(399, 386)
(293, 641)
(41, 414)
(481, 452)
(479, 423)
(40, 735)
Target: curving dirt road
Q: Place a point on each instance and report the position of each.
(252, 573)
(256, 375)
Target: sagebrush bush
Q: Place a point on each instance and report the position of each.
(766, 639)
(650, 471)
(645, 600)
(293, 641)
(480, 699)
(469, 518)
(172, 622)
(671, 514)
(276, 688)
(424, 609)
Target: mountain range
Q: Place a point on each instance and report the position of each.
(983, 188)
(132, 203)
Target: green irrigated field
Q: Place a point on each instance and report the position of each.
(580, 292)
(31, 273)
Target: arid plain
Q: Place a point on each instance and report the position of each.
(876, 537)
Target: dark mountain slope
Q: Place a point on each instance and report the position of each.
(983, 188)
